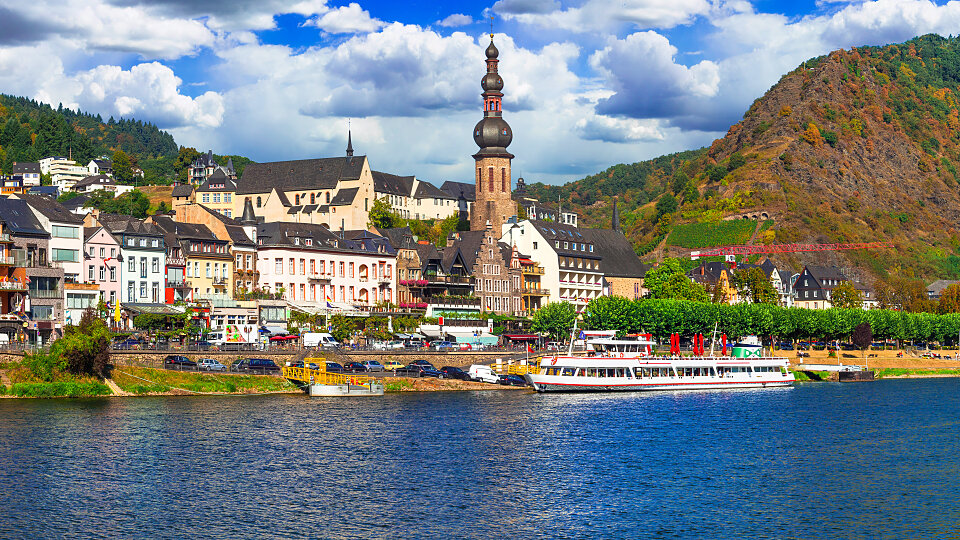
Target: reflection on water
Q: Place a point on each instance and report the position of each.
(818, 460)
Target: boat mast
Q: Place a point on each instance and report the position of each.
(713, 340)
(572, 334)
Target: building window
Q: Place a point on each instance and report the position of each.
(143, 269)
(503, 180)
(206, 197)
(313, 267)
(227, 197)
(258, 202)
(143, 289)
(490, 178)
(216, 197)
(351, 269)
(156, 264)
(313, 198)
(208, 270)
(66, 255)
(342, 274)
(293, 267)
(90, 273)
(113, 273)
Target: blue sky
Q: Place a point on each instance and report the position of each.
(588, 83)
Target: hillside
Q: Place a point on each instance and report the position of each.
(858, 145)
(30, 130)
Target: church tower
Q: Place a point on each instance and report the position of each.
(493, 203)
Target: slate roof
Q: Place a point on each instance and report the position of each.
(616, 252)
(552, 230)
(823, 273)
(708, 272)
(51, 209)
(285, 234)
(218, 178)
(936, 288)
(426, 190)
(323, 173)
(344, 197)
(46, 191)
(367, 241)
(19, 219)
(76, 202)
(396, 235)
(392, 184)
(234, 229)
(120, 224)
(455, 189)
(30, 167)
(97, 179)
(183, 190)
(469, 243)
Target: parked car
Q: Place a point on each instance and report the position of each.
(481, 373)
(320, 340)
(415, 344)
(260, 365)
(373, 365)
(512, 380)
(785, 346)
(416, 370)
(424, 363)
(178, 361)
(202, 345)
(238, 365)
(387, 345)
(333, 367)
(129, 343)
(392, 365)
(209, 364)
(354, 367)
(455, 373)
(443, 346)
(465, 346)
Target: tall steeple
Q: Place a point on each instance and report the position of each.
(493, 203)
(349, 144)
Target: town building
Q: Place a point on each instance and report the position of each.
(207, 259)
(216, 192)
(64, 172)
(206, 166)
(98, 182)
(102, 261)
(623, 272)
(143, 253)
(100, 167)
(465, 195)
(572, 270)
(42, 302)
(29, 172)
(235, 233)
(935, 289)
(717, 278)
(497, 276)
(494, 205)
(66, 234)
(815, 284)
(181, 194)
(319, 270)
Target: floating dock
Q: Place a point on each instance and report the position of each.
(319, 383)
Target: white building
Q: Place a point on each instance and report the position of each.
(310, 265)
(100, 166)
(101, 181)
(572, 268)
(29, 172)
(64, 173)
(143, 257)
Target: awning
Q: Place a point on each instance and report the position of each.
(284, 338)
(273, 329)
(403, 336)
(522, 337)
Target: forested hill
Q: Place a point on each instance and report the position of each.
(858, 145)
(30, 130)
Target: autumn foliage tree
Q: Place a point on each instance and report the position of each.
(846, 296)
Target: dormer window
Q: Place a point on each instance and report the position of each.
(308, 241)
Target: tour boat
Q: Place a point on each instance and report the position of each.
(628, 365)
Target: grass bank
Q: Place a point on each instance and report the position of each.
(811, 376)
(144, 381)
(903, 373)
(23, 382)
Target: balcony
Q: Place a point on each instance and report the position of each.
(81, 286)
(7, 261)
(5, 237)
(320, 278)
(220, 281)
(46, 293)
(178, 285)
(451, 301)
(452, 279)
(176, 261)
(532, 270)
(413, 282)
(534, 291)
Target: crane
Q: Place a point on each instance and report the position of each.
(730, 251)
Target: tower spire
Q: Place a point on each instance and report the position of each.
(615, 222)
(349, 141)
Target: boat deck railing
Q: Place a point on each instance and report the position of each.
(511, 367)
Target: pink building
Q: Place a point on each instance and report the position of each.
(310, 265)
(101, 263)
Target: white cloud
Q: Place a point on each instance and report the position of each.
(350, 19)
(619, 130)
(646, 80)
(456, 19)
(600, 15)
(147, 92)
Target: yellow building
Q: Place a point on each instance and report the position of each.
(218, 193)
(209, 262)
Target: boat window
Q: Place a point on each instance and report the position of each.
(567, 372)
(619, 372)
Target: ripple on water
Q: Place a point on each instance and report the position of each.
(814, 461)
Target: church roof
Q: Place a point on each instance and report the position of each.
(392, 184)
(618, 257)
(322, 173)
(456, 189)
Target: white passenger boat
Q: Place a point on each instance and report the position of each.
(628, 365)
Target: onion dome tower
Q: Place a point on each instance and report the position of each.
(493, 204)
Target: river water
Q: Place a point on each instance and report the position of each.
(820, 460)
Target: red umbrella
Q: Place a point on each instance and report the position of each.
(724, 352)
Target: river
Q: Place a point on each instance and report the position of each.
(820, 460)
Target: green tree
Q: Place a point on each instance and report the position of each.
(85, 347)
(122, 168)
(753, 285)
(342, 328)
(610, 313)
(181, 167)
(554, 319)
(382, 216)
(162, 208)
(133, 203)
(668, 280)
(846, 296)
(667, 204)
(949, 300)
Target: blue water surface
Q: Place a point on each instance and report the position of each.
(820, 460)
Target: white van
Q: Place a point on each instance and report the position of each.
(320, 340)
(481, 373)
